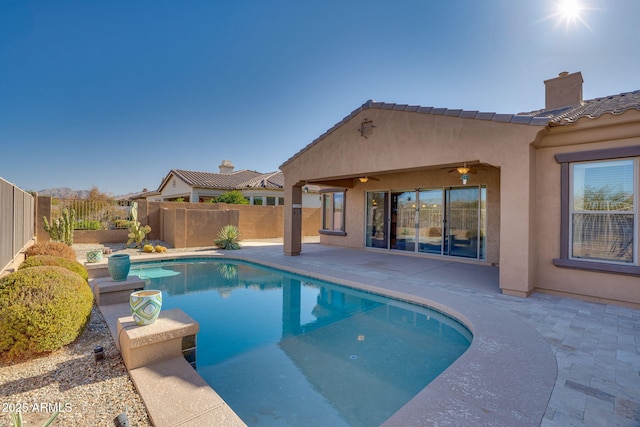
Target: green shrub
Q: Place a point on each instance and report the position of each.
(41, 310)
(228, 237)
(52, 248)
(88, 224)
(40, 260)
(233, 197)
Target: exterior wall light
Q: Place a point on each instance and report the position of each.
(363, 179)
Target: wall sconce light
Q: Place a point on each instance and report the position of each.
(305, 189)
(363, 179)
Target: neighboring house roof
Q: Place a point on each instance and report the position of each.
(593, 108)
(615, 104)
(244, 179)
(136, 196)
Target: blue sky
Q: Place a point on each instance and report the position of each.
(114, 94)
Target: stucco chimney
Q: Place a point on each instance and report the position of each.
(563, 91)
(226, 167)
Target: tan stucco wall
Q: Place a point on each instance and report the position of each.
(420, 147)
(607, 132)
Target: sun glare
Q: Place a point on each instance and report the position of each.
(570, 13)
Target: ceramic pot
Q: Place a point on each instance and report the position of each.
(94, 255)
(119, 265)
(145, 306)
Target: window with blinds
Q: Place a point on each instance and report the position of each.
(603, 211)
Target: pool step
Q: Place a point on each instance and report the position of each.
(108, 291)
(173, 334)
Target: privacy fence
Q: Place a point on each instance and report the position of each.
(181, 225)
(17, 209)
(90, 214)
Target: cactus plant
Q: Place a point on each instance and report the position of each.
(137, 232)
(61, 229)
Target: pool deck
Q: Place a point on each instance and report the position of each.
(544, 360)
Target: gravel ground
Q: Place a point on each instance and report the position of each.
(89, 392)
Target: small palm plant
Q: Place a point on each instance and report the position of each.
(228, 237)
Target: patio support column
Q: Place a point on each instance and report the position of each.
(292, 220)
(517, 254)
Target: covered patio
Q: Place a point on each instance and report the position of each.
(397, 178)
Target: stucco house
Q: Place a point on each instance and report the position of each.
(550, 196)
(258, 188)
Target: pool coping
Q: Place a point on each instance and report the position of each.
(505, 377)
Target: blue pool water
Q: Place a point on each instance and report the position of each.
(288, 350)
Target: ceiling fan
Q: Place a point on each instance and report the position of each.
(464, 171)
(365, 178)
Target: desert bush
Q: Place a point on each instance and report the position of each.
(40, 260)
(52, 248)
(41, 310)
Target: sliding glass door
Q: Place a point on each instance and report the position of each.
(444, 221)
(430, 221)
(377, 234)
(464, 222)
(403, 221)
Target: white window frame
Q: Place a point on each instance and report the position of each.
(634, 211)
(335, 223)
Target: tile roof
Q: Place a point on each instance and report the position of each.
(467, 114)
(239, 180)
(593, 108)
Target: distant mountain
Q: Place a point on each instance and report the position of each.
(68, 193)
(64, 193)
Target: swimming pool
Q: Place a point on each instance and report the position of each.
(283, 349)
